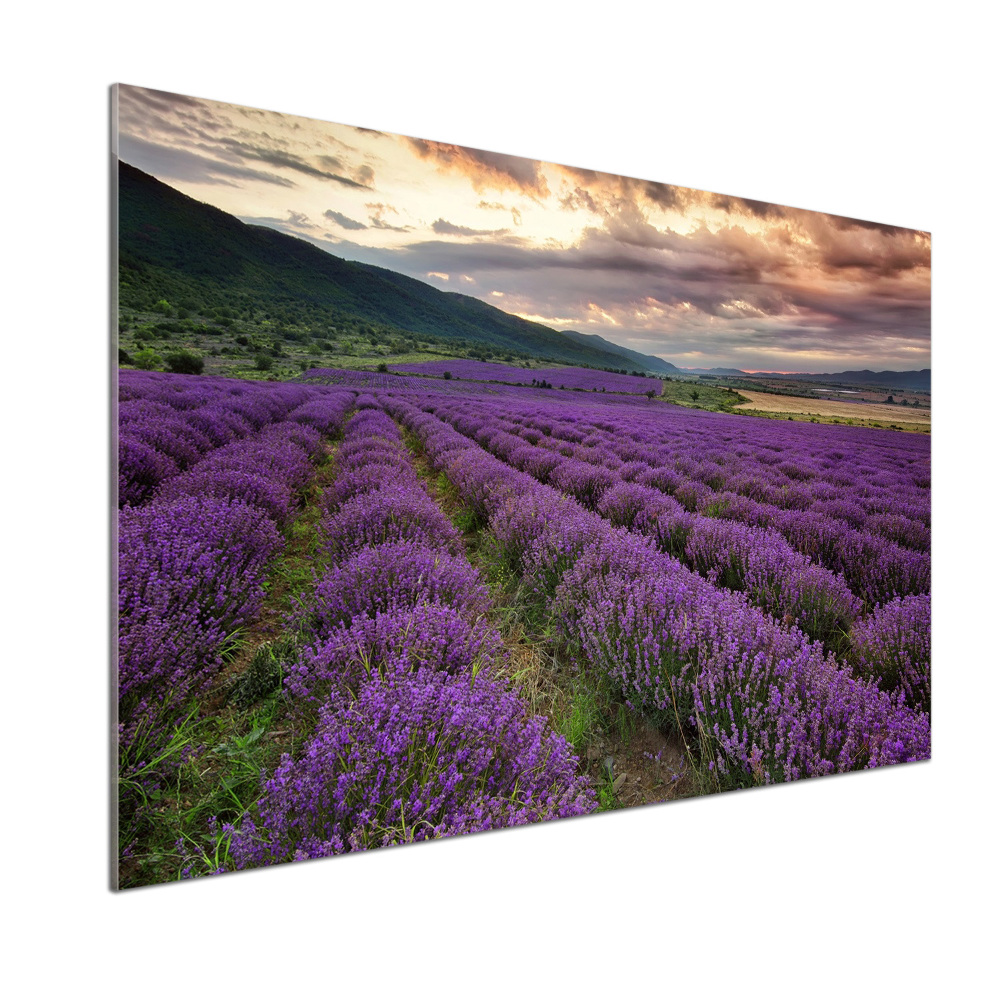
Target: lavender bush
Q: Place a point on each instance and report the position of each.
(412, 755)
(893, 647)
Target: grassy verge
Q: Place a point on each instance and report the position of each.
(699, 396)
(237, 731)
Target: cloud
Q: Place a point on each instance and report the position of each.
(280, 158)
(382, 224)
(723, 297)
(445, 228)
(343, 221)
(578, 198)
(601, 193)
(747, 206)
(696, 277)
(174, 164)
(378, 211)
(485, 170)
(843, 222)
(222, 133)
(499, 206)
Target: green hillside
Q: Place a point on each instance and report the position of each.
(180, 251)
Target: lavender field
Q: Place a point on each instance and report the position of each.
(363, 609)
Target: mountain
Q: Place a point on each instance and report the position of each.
(710, 371)
(887, 379)
(645, 362)
(173, 247)
(892, 380)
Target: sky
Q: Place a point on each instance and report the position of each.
(696, 278)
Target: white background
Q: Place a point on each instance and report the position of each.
(880, 884)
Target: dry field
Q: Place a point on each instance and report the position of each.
(832, 408)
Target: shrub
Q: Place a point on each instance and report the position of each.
(428, 635)
(392, 514)
(413, 755)
(148, 360)
(892, 646)
(185, 362)
(394, 575)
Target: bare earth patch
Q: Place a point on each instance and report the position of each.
(832, 408)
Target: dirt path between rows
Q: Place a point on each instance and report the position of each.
(638, 764)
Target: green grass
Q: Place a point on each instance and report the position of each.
(265, 672)
(214, 759)
(582, 719)
(700, 396)
(216, 762)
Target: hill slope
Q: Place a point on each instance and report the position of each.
(173, 247)
(645, 362)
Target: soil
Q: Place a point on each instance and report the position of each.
(650, 767)
(774, 403)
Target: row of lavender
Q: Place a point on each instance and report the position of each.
(879, 482)
(361, 380)
(193, 558)
(589, 379)
(770, 704)
(817, 572)
(168, 423)
(414, 733)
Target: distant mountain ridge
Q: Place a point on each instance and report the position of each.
(648, 361)
(902, 380)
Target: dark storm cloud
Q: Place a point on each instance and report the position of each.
(343, 221)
